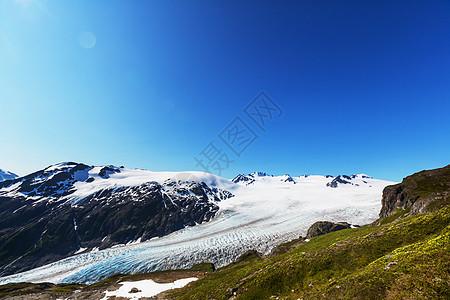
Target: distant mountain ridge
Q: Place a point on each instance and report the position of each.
(6, 175)
(340, 180)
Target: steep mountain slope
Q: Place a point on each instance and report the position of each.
(269, 211)
(6, 175)
(70, 208)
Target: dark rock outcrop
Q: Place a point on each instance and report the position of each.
(249, 178)
(341, 179)
(243, 178)
(421, 192)
(324, 227)
(288, 178)
(108, 170)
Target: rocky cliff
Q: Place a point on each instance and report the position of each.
(425, 191)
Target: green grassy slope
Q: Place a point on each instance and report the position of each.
(408, 258)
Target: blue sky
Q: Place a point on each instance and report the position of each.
(363, 85)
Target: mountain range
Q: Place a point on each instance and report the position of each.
(89, 222)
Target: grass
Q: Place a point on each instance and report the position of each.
(24, 288)
(399, 214)
(203, 267)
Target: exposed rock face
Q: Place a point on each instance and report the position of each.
(39, 226)
(346, 180)
(288, 178)
(341, 179)
(421, 192)
(249, 178)
(324, 227)
(108, 170)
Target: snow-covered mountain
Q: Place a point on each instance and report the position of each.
(70, 208)
(359, 179)
(6, 175)
(265, 211)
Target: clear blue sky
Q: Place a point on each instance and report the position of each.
(364, 86)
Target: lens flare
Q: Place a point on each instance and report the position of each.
(87, 40)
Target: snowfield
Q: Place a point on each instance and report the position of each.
(264, 213)
(147, 288)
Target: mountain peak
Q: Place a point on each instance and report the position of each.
(355, 179)
(287, 178)
(63, 165)
(247, 179)
(7, 175)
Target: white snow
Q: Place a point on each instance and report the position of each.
(260, 216)
(80, 250)
(133, 177)
(148, 288)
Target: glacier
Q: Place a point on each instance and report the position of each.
(263, 214)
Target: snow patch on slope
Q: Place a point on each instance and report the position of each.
(146, 288)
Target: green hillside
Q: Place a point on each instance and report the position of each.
(401, 256)
(408, 258)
